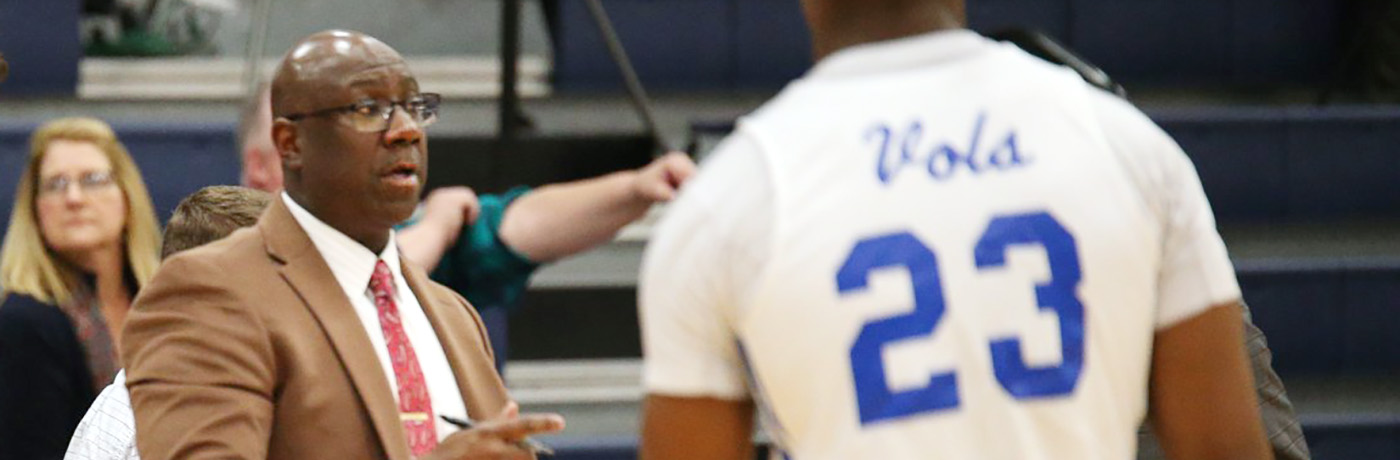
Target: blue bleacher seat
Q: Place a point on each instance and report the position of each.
(1284, 41)
(672, 44)
(40, 41)
(1327, 316)
(720, 44)
(1292, 164)
(772, 45)
(1051, 17)
(1156, 41)
(1346, 437)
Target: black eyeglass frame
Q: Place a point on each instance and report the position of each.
(430, 101)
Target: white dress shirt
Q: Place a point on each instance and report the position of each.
(352, 264)
(108, 430)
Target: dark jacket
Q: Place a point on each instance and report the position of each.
(45, 384)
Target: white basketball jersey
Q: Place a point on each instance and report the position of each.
(937, 247)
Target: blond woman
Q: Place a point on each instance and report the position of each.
(82, 240)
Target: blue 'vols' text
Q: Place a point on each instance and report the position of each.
(900, 150)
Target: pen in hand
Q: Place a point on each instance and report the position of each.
(528, 444)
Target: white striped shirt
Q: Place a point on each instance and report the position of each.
(108, 431)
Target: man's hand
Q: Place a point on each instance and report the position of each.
(450, 208)
(445, 211)
(497, 439)
(660, 180)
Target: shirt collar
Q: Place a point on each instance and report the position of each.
(351, 262)
(909, 52)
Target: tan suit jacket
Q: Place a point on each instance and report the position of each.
(248, 348)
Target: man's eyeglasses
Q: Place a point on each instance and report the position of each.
(373, 115)
(88, 182)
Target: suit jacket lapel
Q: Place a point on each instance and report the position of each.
(456, 343)
(307, 273)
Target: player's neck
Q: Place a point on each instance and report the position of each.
(859, 27)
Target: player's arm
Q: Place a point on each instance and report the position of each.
(1202, 394)
(560, 220)
(701, 256)
(686, 428)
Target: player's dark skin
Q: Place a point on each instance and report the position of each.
(363, 183)
(841, 24)
(1202, 399)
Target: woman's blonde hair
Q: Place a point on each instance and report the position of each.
(27, 266)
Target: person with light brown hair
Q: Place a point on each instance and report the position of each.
(82, 240)
(210, 214)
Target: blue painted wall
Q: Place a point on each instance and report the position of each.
(723, 44)
(40, 41)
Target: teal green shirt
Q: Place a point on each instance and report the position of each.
(480, 266)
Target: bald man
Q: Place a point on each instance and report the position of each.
(486, 247)
(309, 335)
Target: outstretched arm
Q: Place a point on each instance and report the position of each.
(560, 220)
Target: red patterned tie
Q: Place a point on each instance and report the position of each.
(415, 406)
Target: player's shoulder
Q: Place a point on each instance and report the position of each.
(730, 198)
(1122, 117)
(1132, 135)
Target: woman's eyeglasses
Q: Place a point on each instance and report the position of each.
(88, 182)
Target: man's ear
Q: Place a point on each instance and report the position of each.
(288, 142)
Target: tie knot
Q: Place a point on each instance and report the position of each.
(381, 280)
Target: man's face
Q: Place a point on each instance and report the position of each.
(369, 180)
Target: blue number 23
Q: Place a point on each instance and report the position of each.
(873, 395)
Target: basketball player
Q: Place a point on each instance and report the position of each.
(937, 246)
